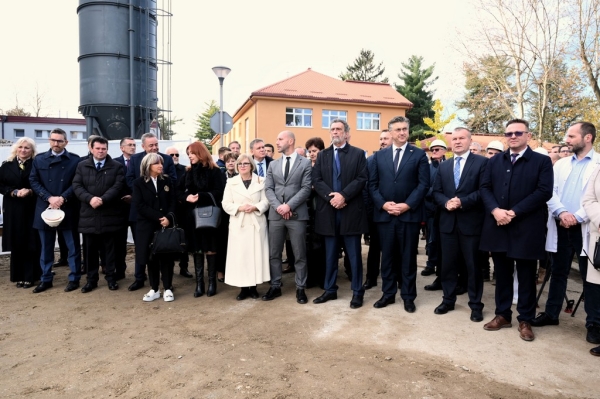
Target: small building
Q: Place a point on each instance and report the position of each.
(15, 127)
(306, 103)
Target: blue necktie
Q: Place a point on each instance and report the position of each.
(261, 173)
(99, 166)
(337, 162)
(457, 171)
(397, 159)
(514, 158)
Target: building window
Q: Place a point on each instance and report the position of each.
(19, 133)
(298, 117)
(329, 115)
(367, 121)
(42, 134)
(77, 135)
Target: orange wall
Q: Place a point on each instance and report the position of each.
(267, 118)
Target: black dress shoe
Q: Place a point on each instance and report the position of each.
(593, 334)
(253, 293)
(89, 287)
(43, 286)
(428, 271)
(113, 285)
(356, 302)
(595, 351)
(326, 296)
(119, 276)
(542, 320)
(301, 296)
(72, 286)
(19, 284)
(185, 273)
(272, 294)
(435, 286)
(383, 302)
(27, 284)
(409, 306)
(136, 285)
(443, 308)
(476, 316)
(243, 294)
(369, 284)
(61, 262)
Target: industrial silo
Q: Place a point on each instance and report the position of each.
(118, 66)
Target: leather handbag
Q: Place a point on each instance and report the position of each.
(168, 240)
(596, 259)
(208, 217)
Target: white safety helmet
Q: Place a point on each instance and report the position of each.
(495, 145)
(53, 217)
(438, 143)
(541, 150)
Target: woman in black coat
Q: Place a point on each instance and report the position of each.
(154, 199)
(203, 179)
(19, 237)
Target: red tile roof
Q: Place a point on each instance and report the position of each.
(316, 86)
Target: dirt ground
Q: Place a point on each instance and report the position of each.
(111, 344)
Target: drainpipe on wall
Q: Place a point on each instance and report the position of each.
(3, 118)
(131, 99)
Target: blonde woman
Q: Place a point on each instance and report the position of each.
(154, 199)
(248, 247)
(19, 237)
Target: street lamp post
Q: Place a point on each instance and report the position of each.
(221, 72)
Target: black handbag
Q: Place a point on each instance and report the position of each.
(208, 216)
(168, 240)
(595, 260)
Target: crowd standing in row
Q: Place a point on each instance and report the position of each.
(510, 204)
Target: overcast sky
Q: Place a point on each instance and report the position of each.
(261, 41)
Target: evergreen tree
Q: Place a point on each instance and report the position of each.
(364, 69)
(204, 133)
(166, 126)
(416, 81)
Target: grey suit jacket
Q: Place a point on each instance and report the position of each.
(294, 191)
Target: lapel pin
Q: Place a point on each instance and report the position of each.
(167, 188)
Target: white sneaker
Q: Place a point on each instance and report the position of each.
(151, 296)
(168, 296)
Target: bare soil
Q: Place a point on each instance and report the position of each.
(111, 344)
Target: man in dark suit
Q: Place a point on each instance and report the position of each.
(259, 154)
(287, 187)
(339, 176)
(515, 188)
(456, 194)
(149, 144)
(51, 178)
(398, 182)
(127, 146)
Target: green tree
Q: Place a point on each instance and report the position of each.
(416, 83)
(166, 126)
(364, 69)
(485, 100)
(204, 133)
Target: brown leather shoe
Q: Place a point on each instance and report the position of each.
(497, 323)
(525, 331)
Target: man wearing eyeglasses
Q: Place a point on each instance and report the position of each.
(515, 187)
(51, 178)
(149, 144)
(564, 151)
(570, 231)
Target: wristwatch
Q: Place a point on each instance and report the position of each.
(15, 192)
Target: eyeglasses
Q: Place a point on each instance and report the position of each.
(567, 151)
(244, 164)
(174, 155)
(517, 134)
(57, 141)
(437, 149)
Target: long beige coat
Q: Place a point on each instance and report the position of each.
(248, 246)
(591, 203)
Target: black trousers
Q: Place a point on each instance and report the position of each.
(94, 245)
(526, 270)
(374, 255)
(161, 268)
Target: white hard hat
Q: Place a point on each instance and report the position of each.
(495, 145)
(437, 143)
(53, 217)
(541, 150)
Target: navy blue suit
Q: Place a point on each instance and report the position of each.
(460, 229)
(408, 184)
(133, 172)
(524, 187)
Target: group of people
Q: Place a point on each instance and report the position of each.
(510, 204)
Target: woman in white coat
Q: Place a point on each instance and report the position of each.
(248, 246)
(591, 285)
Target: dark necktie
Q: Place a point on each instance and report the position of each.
(514, 158)
(287, 168)
(397, 159)
(261, 172)
(127, 164)
(337, 162)
(99, 166)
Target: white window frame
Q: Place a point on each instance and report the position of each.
(365, 121)
(80, 134)
(298, 116)
(42, 136)
(331, 114)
